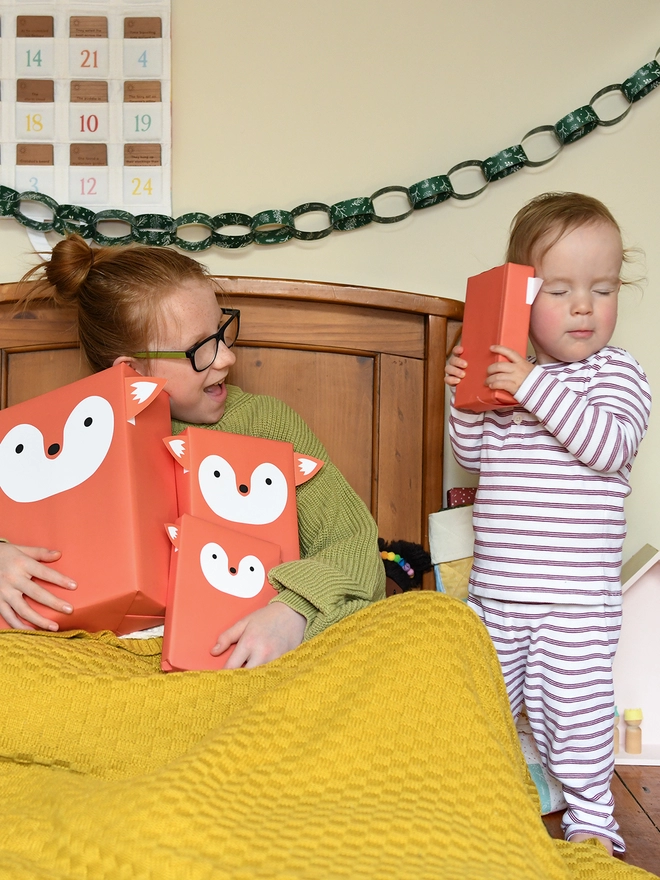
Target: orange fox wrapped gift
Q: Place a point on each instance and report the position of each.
(217, 577)
(245, 483)
(83, 470)
(497, 310)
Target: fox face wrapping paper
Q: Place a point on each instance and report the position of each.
(217, 577)
(245, 483)
(83, 471)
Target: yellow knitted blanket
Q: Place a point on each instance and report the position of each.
(382, 748)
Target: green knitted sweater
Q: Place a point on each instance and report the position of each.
(340, 570)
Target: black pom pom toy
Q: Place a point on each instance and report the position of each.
(405, 563)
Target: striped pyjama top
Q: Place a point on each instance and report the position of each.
(549, 526)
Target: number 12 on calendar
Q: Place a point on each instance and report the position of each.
(89, 186)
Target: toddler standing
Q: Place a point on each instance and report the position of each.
(548, 516)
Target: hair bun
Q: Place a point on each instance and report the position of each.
(70, 264)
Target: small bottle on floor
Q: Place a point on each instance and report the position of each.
(633, 719)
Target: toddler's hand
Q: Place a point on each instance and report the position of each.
(262, 636)
(455, 367)
(18, 565)
(510, 374)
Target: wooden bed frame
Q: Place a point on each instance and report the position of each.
(363, 366)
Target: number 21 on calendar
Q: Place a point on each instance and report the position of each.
(89, 58)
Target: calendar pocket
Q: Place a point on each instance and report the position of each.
(35, 56)
(35, 170)
(89, 58)
(89, 122)
(88, 174)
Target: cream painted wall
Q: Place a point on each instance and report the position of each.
(275, 104)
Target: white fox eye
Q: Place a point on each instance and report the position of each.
(19, 448)
(269, 482)
(88, 421)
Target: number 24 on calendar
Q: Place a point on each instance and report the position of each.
(141, 187)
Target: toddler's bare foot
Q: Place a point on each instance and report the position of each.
(581, 836)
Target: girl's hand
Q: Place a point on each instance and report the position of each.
(455, 367)
(18, 565)
(510, 374)
(262, 636)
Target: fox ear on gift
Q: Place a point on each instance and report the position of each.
(178, 447)
(173, 533)
(305, 467)
(139, 393)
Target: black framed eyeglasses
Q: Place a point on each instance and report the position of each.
(203, 353)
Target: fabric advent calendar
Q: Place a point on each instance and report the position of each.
(85, 109)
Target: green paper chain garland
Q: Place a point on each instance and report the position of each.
(277, 226)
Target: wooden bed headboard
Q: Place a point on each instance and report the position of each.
(363, 366)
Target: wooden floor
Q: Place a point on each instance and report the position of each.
(636, 793)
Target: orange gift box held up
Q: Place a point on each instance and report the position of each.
(245, 483)
(497, 311)
(217, 576)
(83, 471)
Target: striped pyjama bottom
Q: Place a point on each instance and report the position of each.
(558, 660)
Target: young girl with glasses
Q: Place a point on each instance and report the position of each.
(155, 309)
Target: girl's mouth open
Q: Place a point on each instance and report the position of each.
(217, 392)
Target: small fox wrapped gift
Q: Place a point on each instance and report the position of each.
(245, 483)
(217, 576)
(83, 470)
